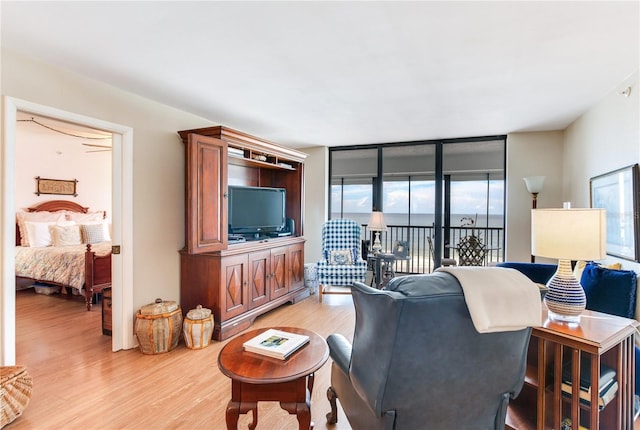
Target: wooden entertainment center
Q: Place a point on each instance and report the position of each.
(238, 281)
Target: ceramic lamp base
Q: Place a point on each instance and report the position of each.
(565, 299)
(377, 246)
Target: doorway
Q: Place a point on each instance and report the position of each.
(122, 203)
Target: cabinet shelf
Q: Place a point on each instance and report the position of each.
(243, 161)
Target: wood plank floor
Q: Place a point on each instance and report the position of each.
(80, 384)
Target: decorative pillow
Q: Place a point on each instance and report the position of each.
(339, 257)
(44, 216)
(105, 229)
(65, 235)
(610, 291)
(580, 265)
(92, 233)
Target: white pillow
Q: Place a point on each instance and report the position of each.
(65, 235)
(44, 216)
(38, 233)
(88, 218)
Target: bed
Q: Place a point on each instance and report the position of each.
(83, 264)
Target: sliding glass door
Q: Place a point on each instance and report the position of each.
(473, 174)
(408, 203)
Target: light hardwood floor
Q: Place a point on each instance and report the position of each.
(80, 384)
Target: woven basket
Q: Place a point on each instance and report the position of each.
(197, 328)
(15, 392)
(158, 326)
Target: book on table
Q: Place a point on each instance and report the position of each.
(276, 343)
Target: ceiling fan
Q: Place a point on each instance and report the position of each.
(105, 148)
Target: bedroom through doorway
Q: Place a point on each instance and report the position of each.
(119, 214)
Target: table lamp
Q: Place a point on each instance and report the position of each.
(376, 223)
(567, 234)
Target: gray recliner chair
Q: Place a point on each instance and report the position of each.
(417, 361)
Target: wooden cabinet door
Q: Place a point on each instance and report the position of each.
(296, 266)
(279, 271)
(234, 295)
(206, 194)
(259, 278)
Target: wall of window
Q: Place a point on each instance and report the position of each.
(438, 186)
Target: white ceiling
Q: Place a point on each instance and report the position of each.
(343, 73)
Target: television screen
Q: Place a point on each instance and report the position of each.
(256, 209)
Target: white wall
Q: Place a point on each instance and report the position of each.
(316, 172)
(158, 162)
(605, 138)
(47, 154)
(530, 154)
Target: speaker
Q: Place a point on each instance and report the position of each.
(291, 226)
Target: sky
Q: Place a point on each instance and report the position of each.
(467, 197)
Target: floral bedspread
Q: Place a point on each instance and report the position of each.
(63, 265)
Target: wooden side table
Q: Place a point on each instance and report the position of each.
(256, 378)
(606, 339)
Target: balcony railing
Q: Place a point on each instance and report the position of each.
(420, 258)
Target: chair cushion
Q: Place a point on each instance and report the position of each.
(610, 291)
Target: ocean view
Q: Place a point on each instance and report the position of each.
(425, 220)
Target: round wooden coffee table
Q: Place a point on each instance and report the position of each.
(256, 378)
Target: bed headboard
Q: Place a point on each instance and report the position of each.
(58, 205)
(53, 206)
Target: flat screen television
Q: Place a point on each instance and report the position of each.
(256, 210)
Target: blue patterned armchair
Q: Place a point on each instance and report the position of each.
(342, 263)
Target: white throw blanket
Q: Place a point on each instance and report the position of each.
(498, 298)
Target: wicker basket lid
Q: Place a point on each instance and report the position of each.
(199, 313)
(159, 307)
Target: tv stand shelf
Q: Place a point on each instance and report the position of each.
(238, 280)
(249, 162)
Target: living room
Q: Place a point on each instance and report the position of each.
(603, 137)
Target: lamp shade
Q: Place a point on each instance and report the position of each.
(570, 234)
(534, 183)
(376, 222)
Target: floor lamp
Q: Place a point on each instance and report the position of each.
(534, 186)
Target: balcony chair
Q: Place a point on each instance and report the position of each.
(444, 261)
(342, 263)
(418, 362)
(471, 251)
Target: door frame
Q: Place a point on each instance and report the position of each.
(122, 216)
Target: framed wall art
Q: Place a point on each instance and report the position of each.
(56, 186)
(617, 193)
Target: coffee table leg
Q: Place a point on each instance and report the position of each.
(303, 413)
(234, 409)
(232, 415)
(254, 420)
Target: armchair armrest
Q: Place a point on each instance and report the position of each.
(340, 351)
